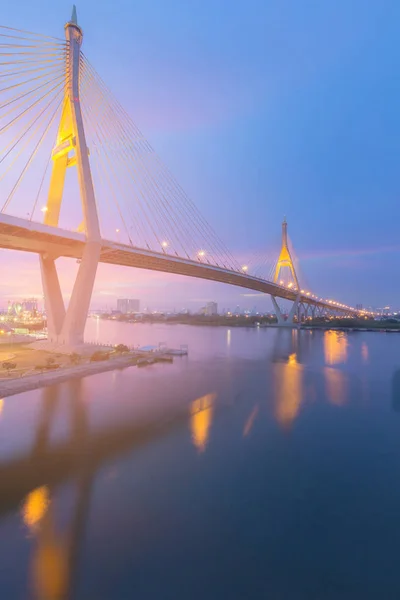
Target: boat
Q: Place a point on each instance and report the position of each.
(163, 358)
(183, 350)
(144, 362)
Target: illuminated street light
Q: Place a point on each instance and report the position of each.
(44, 209)
(164, 244)
(245, 268)
(201, 253)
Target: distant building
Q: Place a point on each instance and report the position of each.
(211, 309)
(359, 306)
(30, 304)
(128, 305)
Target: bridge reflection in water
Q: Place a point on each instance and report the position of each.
(32, 481)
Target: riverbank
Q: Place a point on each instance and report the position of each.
(10, 387)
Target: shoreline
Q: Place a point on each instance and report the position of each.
(11, 387)
(252, 323)
(18, 385)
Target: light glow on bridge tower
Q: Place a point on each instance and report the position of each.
(285, 258)
(66, 327)
(285, 261)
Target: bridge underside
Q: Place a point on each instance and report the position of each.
(22, 235)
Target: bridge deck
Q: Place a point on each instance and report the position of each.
(28, 236)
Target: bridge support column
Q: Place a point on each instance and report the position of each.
(293, 311)
(67, 327)
(278, 312)
(75, 318)
(54, 303)
(282, 322)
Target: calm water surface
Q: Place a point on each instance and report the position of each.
(264, 465)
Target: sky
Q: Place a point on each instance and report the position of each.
(261, 109)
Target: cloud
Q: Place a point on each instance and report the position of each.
(253, 295)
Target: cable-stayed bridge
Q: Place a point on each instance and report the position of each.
(79, 180)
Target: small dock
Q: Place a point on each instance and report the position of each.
(163, 350)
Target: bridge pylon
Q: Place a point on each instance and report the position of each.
(285, 260)
(66, 327)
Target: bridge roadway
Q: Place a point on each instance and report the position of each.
(29, 236)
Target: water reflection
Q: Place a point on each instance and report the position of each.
(35, 507)
(288, 390)
(54, 554)
(31, 481)
(200, 420)
(336, 386)
(83, 470)
(364, 352)
(286, 342)
(49, 562)
(396, 391)
(335, 347)
(250, 421)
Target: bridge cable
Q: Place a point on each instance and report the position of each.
(148, 148)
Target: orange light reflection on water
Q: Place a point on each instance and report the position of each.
(335, 347)
(288, 390)
(336, 386)
(35, 507)
(201, 419)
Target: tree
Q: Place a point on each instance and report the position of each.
(51, 363)
(8, 366)
(75, 358)
(99, 356)
(121, 348)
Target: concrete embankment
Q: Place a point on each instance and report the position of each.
(9, 387)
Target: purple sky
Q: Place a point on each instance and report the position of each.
(260, 109)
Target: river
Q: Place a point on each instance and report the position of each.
(263, 465)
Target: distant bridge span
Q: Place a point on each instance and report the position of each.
(29, 236)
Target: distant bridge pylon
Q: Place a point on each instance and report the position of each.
(285, 259)
(284, 263)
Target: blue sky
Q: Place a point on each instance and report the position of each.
(261, 109)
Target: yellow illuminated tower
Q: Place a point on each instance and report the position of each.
(65, 327)
(285, 258)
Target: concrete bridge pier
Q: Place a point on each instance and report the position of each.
(289, 321)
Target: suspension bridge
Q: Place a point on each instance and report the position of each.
(79, 180)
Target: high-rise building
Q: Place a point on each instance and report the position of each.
(128, 305)
(359, 306)
(30, 304)
(211, 309)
